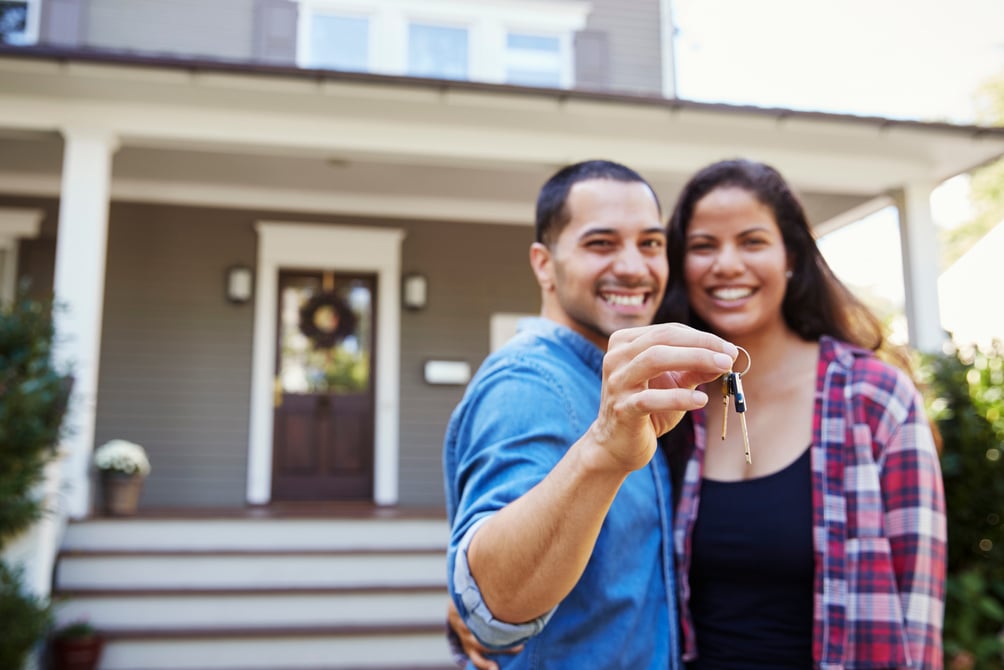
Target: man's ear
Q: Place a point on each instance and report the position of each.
(542, 265)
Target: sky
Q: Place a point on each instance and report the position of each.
(905, 59)
(918, 59)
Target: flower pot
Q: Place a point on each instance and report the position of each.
(120, 492)
(76, 653)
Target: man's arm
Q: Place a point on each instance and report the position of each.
(527, 557)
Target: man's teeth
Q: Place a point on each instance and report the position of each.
(624, 300)
(732, 293)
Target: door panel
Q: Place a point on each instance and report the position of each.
(323, 437)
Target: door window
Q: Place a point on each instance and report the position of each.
(325, 334)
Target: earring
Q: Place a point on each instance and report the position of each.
(788, 274)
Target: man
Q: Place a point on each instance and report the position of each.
(555, 490)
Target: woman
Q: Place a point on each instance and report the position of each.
(828, 550)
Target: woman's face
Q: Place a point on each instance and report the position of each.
(735, 265)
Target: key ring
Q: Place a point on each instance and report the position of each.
(749, 361)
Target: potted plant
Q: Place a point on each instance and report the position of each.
(76, 646)
(123, 467)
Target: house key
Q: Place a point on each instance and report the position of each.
(732, 385)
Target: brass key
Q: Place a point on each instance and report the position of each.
(736, 384)
(726, 392)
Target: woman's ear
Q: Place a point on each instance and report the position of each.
(541, 263)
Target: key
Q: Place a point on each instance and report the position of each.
(726, 392)
(736, 384)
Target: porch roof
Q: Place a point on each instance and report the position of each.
(229, 134)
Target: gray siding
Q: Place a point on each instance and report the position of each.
(473, 272)
(629, 35)
(219, 29)
(175, 356)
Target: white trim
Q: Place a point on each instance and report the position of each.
(290, 244)
(389, 205)
(15, 224)
(667, 29)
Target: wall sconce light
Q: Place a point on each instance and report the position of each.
(240, 284)
(414, 291)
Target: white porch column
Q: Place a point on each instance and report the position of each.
(79, 292)
(918, 237)
(15, 224)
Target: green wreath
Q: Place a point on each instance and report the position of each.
(326, 320)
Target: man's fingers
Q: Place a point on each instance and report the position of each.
(667, 366)
(677, 334)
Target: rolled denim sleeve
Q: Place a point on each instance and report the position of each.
(490, 631)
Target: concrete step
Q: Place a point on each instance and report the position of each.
(191, 570)
(259, 609)
(268, 534)
(385, 649)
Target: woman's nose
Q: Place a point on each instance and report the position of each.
(728, 260)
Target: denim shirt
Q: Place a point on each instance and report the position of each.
(527, 404)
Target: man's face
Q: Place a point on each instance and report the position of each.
(607, 269)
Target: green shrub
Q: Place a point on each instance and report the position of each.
(26, 619)
(965, 391)
(33, 397)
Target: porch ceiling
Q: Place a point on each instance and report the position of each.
(404, 148)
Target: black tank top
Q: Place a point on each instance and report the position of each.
(751, 572)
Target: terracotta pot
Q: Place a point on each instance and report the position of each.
(120, 492)
(76, 653)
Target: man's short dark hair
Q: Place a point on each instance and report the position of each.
(553, 215)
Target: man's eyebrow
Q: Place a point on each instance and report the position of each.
(658, 230)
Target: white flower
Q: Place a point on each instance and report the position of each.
(122, 456)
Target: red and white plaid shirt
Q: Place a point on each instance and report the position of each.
(878, 519)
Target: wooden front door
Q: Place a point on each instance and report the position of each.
(323, 438)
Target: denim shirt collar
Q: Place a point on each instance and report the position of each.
(542, 327)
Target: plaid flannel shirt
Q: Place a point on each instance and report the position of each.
(878, 519)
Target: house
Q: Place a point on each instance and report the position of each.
(212, 189)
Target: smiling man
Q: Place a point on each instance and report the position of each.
(555, 490)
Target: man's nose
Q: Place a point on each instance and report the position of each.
(630, 262)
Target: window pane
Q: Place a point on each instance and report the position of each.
(533, 42)
(437, 51)
(341, 366)
(339, 42)
(13, 22)
(533, 60)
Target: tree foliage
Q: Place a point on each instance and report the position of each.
(33, 397)
(965, 392)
